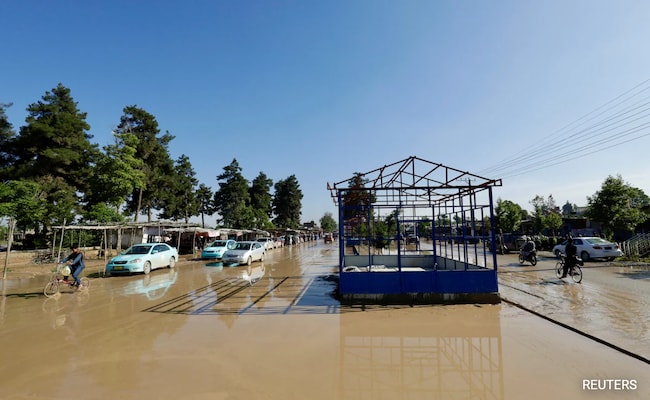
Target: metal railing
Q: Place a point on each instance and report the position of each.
(637, 246)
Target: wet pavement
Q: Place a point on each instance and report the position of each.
(275, 331)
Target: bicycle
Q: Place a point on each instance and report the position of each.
(58, 279)
(44, 258)
(575, 272)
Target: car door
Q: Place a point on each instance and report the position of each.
(160, 256)
(258, 250)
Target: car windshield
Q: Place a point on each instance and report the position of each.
(243, 246)
(219, 243)
(138, 250)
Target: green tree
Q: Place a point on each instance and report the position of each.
(153, 150)
(102, 213)
(507, 215)
(55, 142)
(618, 206)
(261, 201)
(118, 173)
(287, 203)
(328, 223)
(553, 221)
(541, 209)
(232, 200)
(7, 135)
(424, 228)
(23, 201)
(358, 200)
(204, 196)
(181, 201)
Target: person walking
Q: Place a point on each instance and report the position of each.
(77, 264)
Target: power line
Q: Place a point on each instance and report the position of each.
(586, 133)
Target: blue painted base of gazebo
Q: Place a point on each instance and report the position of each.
(428, 287)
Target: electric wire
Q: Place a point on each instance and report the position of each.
(603, 128)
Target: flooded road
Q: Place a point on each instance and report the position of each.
(611, 303)
(275, 331)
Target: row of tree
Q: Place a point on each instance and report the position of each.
(617, 207)
(51, 173)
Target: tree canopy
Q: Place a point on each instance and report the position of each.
(618, 206)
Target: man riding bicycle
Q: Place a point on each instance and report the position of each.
(76, 262)
(570, 261)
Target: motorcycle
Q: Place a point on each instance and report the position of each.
(530, 256)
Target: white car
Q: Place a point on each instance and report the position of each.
(244, 253)
(591, 247)
(268, 243)
(144, 258)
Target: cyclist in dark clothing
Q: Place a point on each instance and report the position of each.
(570, 260)
(76, 262)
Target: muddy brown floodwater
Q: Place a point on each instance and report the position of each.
(275, 331)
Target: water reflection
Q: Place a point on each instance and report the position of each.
(218, 264)
(153, 285)
(418, 354)
(252, 275)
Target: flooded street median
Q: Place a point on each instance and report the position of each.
(275, 330)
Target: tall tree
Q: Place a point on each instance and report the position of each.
(542, 208)
(23, 201)
(55, 141)
(153, 150)
(232, 200)
(287, 203)
(261, 201)
(508, 215)
(118, 172)
(358, 200)
(181, 203)
(328, 223)
(204, 196)
(618, 206)
(7, 134)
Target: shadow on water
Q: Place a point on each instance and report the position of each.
(639, 274)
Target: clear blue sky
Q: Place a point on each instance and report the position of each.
(323, 89)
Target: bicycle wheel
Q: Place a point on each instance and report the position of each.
(576, 274)
(51, 289)
(559, 267)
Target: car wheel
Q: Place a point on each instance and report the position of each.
(558, 253)
(585, 256)
(147, 267)
(249, 261)
(172, 262)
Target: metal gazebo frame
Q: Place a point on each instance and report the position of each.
(402, 207)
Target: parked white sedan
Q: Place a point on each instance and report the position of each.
(591, 247)
(268, 243)
(245, 253)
